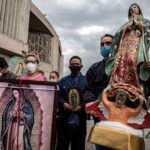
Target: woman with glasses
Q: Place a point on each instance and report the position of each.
(32, 62)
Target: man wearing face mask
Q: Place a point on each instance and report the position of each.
(4, 73)
(32, 65)
(96, 78)
(72, 116)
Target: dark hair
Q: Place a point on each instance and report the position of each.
(15, 89)
(55, 72)
(3, 63)
(129, 12)
(75, 57)
(107, 35)
(41, 72)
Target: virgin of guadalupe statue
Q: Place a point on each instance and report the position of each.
(126, 66)
(124, 98)
(17, 123)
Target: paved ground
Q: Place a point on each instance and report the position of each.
(88, 145)
(146, 134)
(147, 139)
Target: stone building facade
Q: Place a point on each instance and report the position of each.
(24, 28)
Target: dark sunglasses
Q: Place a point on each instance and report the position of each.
(107, 43)
(30, 61)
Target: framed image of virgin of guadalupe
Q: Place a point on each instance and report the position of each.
(74, 97)
(27, 115)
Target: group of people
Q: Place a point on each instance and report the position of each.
(125, 64)
(32, 63)
(87, 89)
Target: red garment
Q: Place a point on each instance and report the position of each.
(124, 75)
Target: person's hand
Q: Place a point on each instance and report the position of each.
(92, 113)
(75, 109)
(147, 66)
(139, 25)
(67, 106)
(136, 18)
(13, 114)
(128, 26)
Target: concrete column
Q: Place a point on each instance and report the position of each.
(6, 18)
(11, 17)
(17, 19)
(57, 59)
(61, 67)
(52, 52)
(2, 14)
(14, 18)
(23, 14)
(54, 56)
(0, 6)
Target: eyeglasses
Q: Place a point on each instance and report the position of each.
(30, 61)
(106, 43)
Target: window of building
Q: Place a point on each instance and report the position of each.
(40, 43)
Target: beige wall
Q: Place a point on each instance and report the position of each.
(14, 20)
(56, 57)
(14, 30)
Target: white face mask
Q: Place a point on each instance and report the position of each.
(1, 74)
(52, 80)
(31, 67)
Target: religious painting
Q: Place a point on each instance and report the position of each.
(74, 97)
(17, 66)
(27, 115)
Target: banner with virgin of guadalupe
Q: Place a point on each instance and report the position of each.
(27, 115)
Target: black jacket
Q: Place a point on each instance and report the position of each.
(65, 85)
(8, 75)
(96, 81)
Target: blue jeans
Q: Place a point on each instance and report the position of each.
(99, 147)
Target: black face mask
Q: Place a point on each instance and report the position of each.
(75, 69)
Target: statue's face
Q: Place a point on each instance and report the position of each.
(16, 94)
(134, 10)
(120, 99)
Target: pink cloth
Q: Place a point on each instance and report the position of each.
(38, 77)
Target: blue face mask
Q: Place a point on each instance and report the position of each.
(105, 51)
